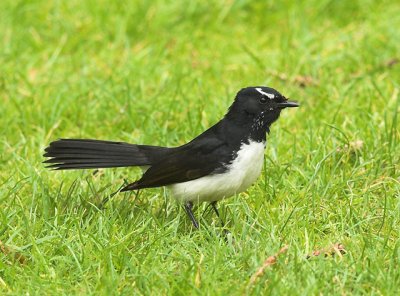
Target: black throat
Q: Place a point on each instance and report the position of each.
(246, 127)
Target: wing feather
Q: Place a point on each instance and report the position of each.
(188, 162)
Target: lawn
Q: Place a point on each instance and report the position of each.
(161, 72)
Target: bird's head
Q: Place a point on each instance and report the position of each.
(259, 105)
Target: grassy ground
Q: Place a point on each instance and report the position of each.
(160, 73)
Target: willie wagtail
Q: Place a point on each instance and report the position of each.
(223, 161)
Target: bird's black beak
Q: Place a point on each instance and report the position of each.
(288, 104)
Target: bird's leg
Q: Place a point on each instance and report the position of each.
(225, 231)
(214, 206)
(188, 208)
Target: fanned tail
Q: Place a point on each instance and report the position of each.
(67, 154)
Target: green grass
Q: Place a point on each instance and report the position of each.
(158, 72)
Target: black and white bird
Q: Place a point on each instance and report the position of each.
(222, 161)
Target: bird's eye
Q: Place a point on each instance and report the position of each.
(263, 100)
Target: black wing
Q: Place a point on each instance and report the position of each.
(191, 161)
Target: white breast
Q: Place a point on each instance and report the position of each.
(241, 173)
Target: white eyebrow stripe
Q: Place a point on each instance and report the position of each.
(271, 96)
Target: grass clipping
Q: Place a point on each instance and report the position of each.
(271, 260)
(335, 249)
(13, 255)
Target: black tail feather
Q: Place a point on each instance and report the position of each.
(129, 187)
(67, 154)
